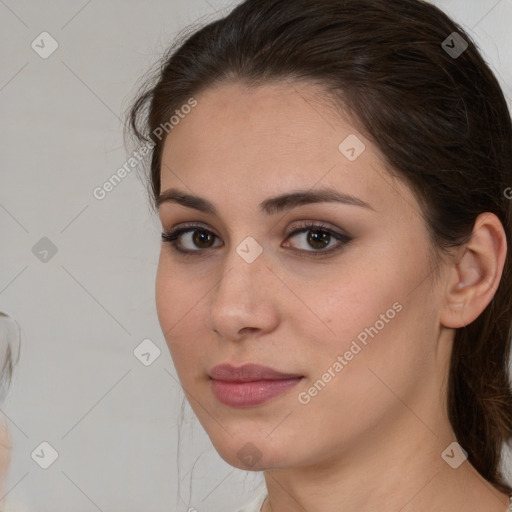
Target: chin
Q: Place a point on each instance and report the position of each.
(255, 455)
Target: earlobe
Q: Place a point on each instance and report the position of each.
(455, 316)
(476, 273)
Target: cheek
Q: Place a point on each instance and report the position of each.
(384, 321)
(174, 295)
(164, 297)
(367, 315)
(178, 308)
(350, 302)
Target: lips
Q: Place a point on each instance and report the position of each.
(249, 385)
(248, 373)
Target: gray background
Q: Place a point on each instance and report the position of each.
(83, 310)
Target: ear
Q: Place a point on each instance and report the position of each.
(474, 276)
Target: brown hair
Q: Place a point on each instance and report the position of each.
(7, 359)
(440, 120)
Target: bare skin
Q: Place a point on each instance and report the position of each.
(373, 437)
(5, 454)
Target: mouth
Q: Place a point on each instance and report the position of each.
(249, 385)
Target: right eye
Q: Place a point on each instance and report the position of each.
(193, 236)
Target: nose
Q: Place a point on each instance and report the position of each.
(245, 300)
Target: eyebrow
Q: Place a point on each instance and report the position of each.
(270, 206)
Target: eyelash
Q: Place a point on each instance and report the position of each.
(172, 237)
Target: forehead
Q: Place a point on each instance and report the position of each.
(254, 142)
(234, 116)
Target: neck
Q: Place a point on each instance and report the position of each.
(403, 471)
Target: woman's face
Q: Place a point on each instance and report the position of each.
(357, 318)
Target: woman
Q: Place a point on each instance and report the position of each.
(334, 281)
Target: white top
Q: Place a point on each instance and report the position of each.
(255, 505)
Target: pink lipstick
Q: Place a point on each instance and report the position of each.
(250, 384)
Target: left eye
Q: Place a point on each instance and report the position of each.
(318, 237)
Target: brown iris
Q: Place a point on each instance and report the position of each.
(318, 237)
(202, 237)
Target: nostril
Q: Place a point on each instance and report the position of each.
(248, 330)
